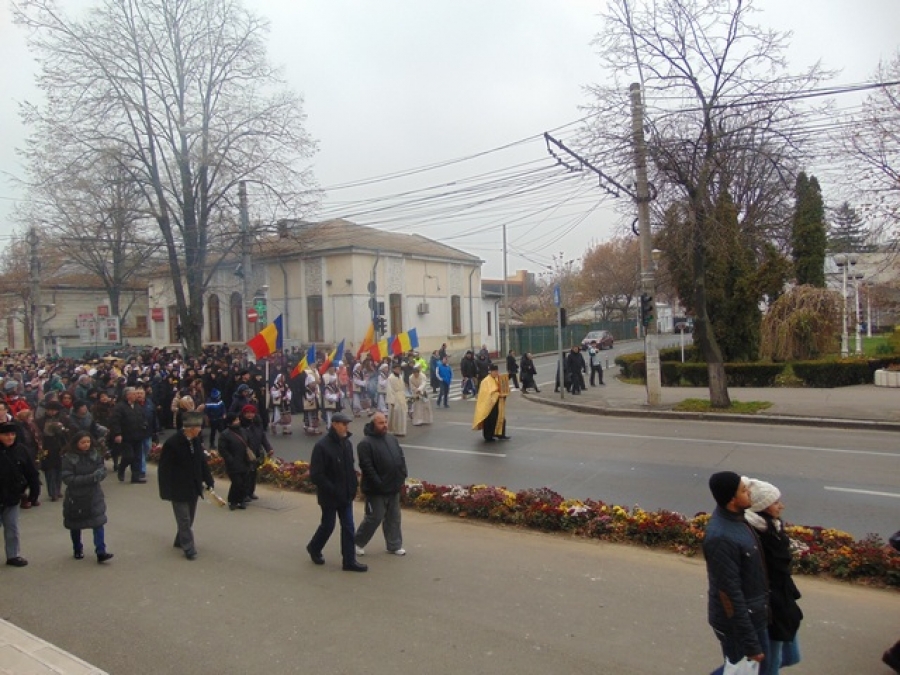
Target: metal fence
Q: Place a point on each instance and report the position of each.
(541, 339)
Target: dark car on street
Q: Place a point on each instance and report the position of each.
(603, 338)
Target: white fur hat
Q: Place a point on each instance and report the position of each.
(762, 495)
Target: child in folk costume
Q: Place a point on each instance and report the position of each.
(384, 372)
(280, 397)
(358, 385)
(311, 403)
(418, 386)
(331, 395)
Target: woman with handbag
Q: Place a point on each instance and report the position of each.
(84, 505)
(764, 515)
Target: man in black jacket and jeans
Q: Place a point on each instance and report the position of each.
(331, 470)
(383, 468)
(738, 591)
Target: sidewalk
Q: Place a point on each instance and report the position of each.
(468, 598)
(862, 406)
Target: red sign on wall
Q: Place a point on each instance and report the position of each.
(103, 310)
(156, 313)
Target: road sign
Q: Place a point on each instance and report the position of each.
(252, 315)
(556, 297)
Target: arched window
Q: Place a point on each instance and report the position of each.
(237, 318)
(215, 321)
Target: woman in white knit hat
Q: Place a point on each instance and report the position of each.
(764, 515)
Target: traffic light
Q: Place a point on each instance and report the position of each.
(179, 332)
(562, 317)
(647, 309)
(382, 325)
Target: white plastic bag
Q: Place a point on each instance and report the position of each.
(743, 667)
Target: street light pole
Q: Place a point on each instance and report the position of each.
(844, 261)
(856, 279)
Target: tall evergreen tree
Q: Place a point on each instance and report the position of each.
(809, 237)
(848, 233)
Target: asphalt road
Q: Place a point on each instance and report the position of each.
(844, 479)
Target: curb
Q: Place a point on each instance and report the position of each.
(784, 420)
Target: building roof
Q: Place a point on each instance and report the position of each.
(303, 239)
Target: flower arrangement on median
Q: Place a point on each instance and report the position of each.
(818, 551)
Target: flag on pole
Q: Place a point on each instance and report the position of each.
(336, 355)
(368, 341)
(268, 340)
(308, 358)
(405, 342)
(379, 350)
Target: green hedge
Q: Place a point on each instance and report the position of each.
(815, 374)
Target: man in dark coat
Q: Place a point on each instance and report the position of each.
(253, 432)
(128, 427)
(575, 367)
(738, 593)
(383, 468)
(469, 372)
(16, 472)
(331, 470)
(182, 473)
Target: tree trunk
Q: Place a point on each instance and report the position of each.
(703, 332)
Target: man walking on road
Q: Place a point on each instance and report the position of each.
(331, 470)
(182, 473)
(738, 595)
(128, 428)
(490, 407)
(383, 468)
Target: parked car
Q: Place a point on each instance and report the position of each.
(684, 327)
(603, 338)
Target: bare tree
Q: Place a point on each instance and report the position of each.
(180, 91)
(720, 114)
(872, 142)
(16, 298)
(610, 275)
(96, 217)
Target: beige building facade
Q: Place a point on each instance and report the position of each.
(321, 279)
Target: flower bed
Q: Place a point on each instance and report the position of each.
(818, 551)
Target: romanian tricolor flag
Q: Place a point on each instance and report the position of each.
(336, 355)
(368, 341)
(404, 342)
(379, 350)
(268, 340)
(308, 358)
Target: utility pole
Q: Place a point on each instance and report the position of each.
(648, 274)
(37, 332)
(504, 346)
(246, 259)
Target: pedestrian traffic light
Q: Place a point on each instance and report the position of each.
(562, 317)
(647, 309)
(179, 332)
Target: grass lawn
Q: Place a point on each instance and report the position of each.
(738, 407)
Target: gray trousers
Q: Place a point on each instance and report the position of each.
(184, 518)
(381, 509)
(9, 519)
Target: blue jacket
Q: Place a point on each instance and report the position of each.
(738, 592)
(445, 373)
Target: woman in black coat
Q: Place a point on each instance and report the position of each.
(512, 368)
(84, 506)
(528, 373)
(233, 448)
(764, 515)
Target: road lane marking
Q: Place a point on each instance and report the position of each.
(710, 441)
(456, 452)
(876, 493)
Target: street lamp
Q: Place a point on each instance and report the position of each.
(857, 277)
(843, 261)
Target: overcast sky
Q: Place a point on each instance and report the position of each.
(395, 85)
